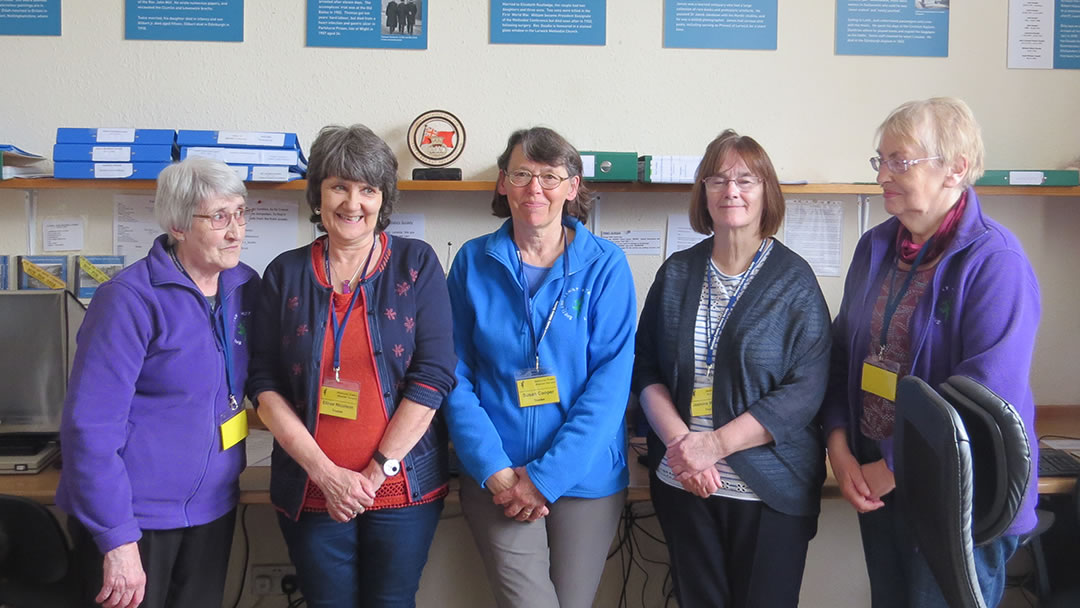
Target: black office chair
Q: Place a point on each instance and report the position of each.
(35, 559)
(963, 464)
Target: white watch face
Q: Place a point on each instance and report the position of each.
(391, 467)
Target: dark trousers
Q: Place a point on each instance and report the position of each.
(184, 567)
(731, 553)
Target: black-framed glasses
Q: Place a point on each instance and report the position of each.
(744, 183)
(548, 181)
(897, 165)
(220, 220)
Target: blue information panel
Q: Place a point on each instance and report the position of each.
(201, 20)
(549, 22)
(1067, 34)
(29, 17)
(369, 24)
(720, 24)
(914, 28)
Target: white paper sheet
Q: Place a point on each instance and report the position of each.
(134, 226)
(814, 230)
(407, 225)
(271, 229)
(680, 235)
(62, 234)
(635, 242)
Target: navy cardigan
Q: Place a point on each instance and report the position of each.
(410, 327)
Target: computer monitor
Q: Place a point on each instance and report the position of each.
(37, 345)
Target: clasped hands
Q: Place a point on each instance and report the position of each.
(349, 493)
(512, 489)
(692, 458)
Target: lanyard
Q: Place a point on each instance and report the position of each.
(714, 335)
(221, 328)
(528, 301)
(892, 302)
(339, 329)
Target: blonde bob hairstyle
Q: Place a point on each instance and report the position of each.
(939, 126)
(750, 151)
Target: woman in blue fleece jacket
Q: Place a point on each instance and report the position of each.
(544, 315)
(153, 418)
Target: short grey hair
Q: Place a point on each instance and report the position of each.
(939, 126)
(182, 186)
(357, 154)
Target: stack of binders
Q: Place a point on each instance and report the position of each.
(112, 153)
(256, 156)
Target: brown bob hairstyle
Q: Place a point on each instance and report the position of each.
(750, 151)
(543, 145)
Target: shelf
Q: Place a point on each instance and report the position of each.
(488, 186)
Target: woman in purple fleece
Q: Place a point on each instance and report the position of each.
(153, 425)
(937, 290)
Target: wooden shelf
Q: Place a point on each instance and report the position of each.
(488, 186)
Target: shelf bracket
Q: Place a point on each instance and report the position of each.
(30, 200)
(864, 213)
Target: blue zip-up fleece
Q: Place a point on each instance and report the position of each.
(576, 447)
(413, 359)
(140, 432)
(978, 318)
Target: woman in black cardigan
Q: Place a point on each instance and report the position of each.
(731, 364)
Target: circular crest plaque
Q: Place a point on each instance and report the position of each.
(436, 138)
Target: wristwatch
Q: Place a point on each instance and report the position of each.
(390, 466)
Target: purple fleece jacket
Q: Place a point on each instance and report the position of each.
(147, 393)
(978, 318)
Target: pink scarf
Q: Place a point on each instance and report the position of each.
(908, 249)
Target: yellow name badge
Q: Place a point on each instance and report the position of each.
(234, 430)
(879, 381)
(701, 402)
(537, 390)
(340, 402)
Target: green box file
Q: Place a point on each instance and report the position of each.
(1055, 177)
(609, 166)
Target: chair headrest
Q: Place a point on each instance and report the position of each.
(1001, 455)
(35, 549)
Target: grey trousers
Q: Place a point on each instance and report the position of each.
(554, 562)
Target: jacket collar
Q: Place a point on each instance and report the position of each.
(163, 270)
(972, 226)
(582, 251)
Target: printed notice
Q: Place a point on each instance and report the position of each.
(134, 226)
(549, 22)
(1044, 34)
(198, 20)
(914, 28)
(407, 225)
(635, 242)
(720, 24)
(370, 24)
(29, 17)
(814, 229)
(62, 234)
(271, 229)
(680, 235)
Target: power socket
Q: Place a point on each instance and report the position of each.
(266, 578)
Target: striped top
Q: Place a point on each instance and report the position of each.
(710, 315)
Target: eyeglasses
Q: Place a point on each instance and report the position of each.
(897, 165)
(744, 183)
(221, 219)
(548, 181)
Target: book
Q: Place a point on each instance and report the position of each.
(293, 158)
(262, 173)
(121, 135)
(93, 270)
(15, 162)
(42, 271)
(246, 139)
(3, 272)
(89, 170)
(112, 153)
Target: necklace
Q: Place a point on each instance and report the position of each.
(346, 286)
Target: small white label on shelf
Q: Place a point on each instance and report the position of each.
(1025, 178)
(113, 170)
(119, 136)
(588, 166)
(111, 154)
(250, 138)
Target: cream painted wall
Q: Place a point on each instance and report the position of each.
(814, 112)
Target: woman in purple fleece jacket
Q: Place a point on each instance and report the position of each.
(153, 422)
(937, 290)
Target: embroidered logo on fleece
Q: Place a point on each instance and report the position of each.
(573, 302)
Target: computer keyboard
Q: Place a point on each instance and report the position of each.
(1057, 463)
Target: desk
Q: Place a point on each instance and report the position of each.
(255, 481)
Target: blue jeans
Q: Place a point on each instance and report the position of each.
(373, 560)
(900, 576)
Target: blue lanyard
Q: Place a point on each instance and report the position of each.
(528, 301)
(225, 338)
(339, 329)
(892, 302)
(714, 336)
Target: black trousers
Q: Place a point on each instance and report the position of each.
(184, 567)
(731, 553)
